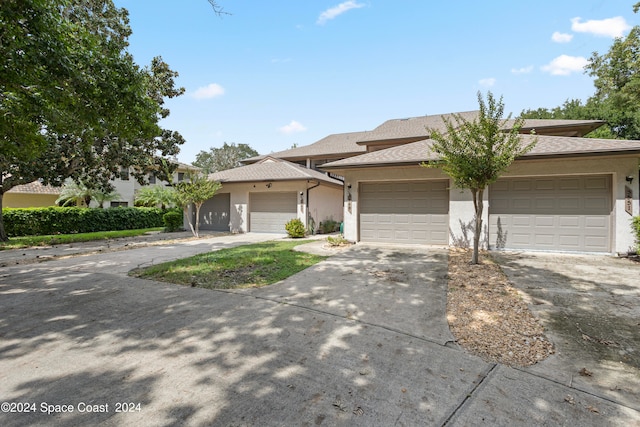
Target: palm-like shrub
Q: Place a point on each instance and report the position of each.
(156, 195)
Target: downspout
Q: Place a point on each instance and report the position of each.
(307, 201)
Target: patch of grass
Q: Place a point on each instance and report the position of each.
(59, 239)
(245, 266)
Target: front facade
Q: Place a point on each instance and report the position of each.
(264, 196)
(568, 194)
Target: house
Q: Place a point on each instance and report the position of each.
(265, 194)
(568, 194)
(126, 185)
(36, 194)
(32, 195)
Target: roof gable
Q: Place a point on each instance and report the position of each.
(271, 169)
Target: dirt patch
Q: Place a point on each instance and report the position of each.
(488, 317)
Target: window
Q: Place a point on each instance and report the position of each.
(124, 174)
(119, 204)
(152, 178)
(180, 176)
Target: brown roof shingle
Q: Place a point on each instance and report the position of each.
(334, 145)
(271, 169)
(420, 151)
(35, 187)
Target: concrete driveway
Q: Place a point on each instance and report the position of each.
(590, 306)
(360, 339)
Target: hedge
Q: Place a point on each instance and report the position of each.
(636, 230)
(56, 220)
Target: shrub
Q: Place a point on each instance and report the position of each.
(636, 229)
(329, 226)
(295, 228)
(56, 220)
(338, 240)
(172, 220)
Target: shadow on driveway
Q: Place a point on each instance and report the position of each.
(590, 307)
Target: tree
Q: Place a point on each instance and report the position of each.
(73, 103)
(617, 82)
(155, 195)
(226, 157)
(475, 153)
(196, 190)
(78, 194)
(617, 98)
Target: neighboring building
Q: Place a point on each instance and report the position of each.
(126, 185)
(32, 195)
(35, 194)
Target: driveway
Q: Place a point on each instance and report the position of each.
(359, 339)
(590, 306)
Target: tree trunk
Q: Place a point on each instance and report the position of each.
(477, 203)
(3, 234)
(185, 210)
(198, 206)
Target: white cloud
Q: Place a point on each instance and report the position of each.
(335, 11)
(210, 91)
(488, 82)
(610, 27)
(559, 37)
(293, 127)
(523, 70)
(564, 65)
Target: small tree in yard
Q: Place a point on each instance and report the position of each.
(475, 153)
(196, 190)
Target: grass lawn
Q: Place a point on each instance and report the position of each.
(245, 266)
(58, 239)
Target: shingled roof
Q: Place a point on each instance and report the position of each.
(271, 169)
(415, 128)
(547, 146)
(337, 145)
(35, 187)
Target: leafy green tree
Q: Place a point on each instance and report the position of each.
(617, 98)
(155, 195)
(73, 103)
(196, 190)
(475, 153)
(617, 80)
(226, 157)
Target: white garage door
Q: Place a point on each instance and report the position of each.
(269, 212)
(569, 213)
(415, 212)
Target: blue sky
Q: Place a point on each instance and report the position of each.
(277, 73)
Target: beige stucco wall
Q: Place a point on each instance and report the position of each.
(325, 203)
(21, 200)
(461, 210)
(320, 199)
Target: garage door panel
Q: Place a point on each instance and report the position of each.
(269, 212)
(215, 213)
(567, 213)
(411, 212)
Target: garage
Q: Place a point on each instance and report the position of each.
(269, 212)
(413, 212)
(214, 213)
(567, 213)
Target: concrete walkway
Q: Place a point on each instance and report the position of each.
(359, 339)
